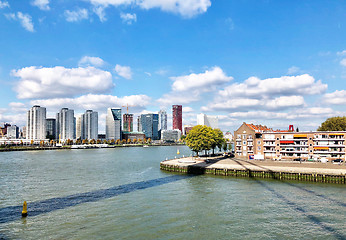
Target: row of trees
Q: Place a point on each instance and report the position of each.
(205, 138)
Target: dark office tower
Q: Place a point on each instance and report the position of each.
(51, 128)
(127, 122)
(177, 117)
(150, 124)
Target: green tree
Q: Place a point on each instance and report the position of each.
(218, 139)
(200, 138)
(225, 146)
(183, 138)
(333, 124)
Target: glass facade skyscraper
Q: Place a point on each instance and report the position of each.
(150, 125)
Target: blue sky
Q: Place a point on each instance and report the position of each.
(267, 62)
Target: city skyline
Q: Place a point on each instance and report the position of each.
(264, 62)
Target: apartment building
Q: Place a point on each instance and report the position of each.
(248, 139)
(265, 143)
(305, 145)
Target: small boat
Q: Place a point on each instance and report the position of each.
(145, 146)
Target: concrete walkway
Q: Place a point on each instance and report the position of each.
(255, 165)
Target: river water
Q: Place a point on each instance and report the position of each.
(122, 194)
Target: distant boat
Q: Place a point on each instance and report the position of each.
(145, 146)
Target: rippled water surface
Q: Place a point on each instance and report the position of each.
(122, 194)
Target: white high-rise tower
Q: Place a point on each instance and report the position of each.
(36, 123)
(65, 124)
(113, 123)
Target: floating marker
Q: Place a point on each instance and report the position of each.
(25, 209)
(178, 152)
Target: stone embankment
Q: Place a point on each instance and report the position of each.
(305, 171)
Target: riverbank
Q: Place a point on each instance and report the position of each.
(69, 147)
(305, 171)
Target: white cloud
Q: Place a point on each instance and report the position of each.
(302, 113)
(75, 16)
(188, 109)
(285, 102)
(17, 107)
(128, 18)
(10, 16)
(202, 81)
(229, 22)
(343, 62)
(278, 103)
(91, 61)
(4, 4)
(24, 19)
(40, 82)
(177, 98)
(186, 8)
(258, 115)
(96, 102)
(342, 53)
(100, 12)
(15, 119)
(41, 4)
(293, 70)
(338, 97)
(123, 71)
(285, 85)
(161, 72)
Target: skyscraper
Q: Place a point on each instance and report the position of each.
(65, 124)
(113, 123)
(177, 114)
(36, 123)
(13, 132)
(162, 120)
(79, 127)
(51, 128)
(128, 122)
(150, 124)
(89, 125)
(139, 124)
(209, 121)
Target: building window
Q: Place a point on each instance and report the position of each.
(258, 142)
(259, 148)
(277, 139)
(244, 142)
(277, 144)
(310, 139)
(310, 150)
(310, 145)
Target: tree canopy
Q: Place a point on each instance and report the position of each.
(333, 124)
(204, 138)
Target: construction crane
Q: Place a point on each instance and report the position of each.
(127, 108)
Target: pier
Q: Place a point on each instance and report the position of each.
(279, 170)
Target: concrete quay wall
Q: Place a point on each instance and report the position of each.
(314, 172)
